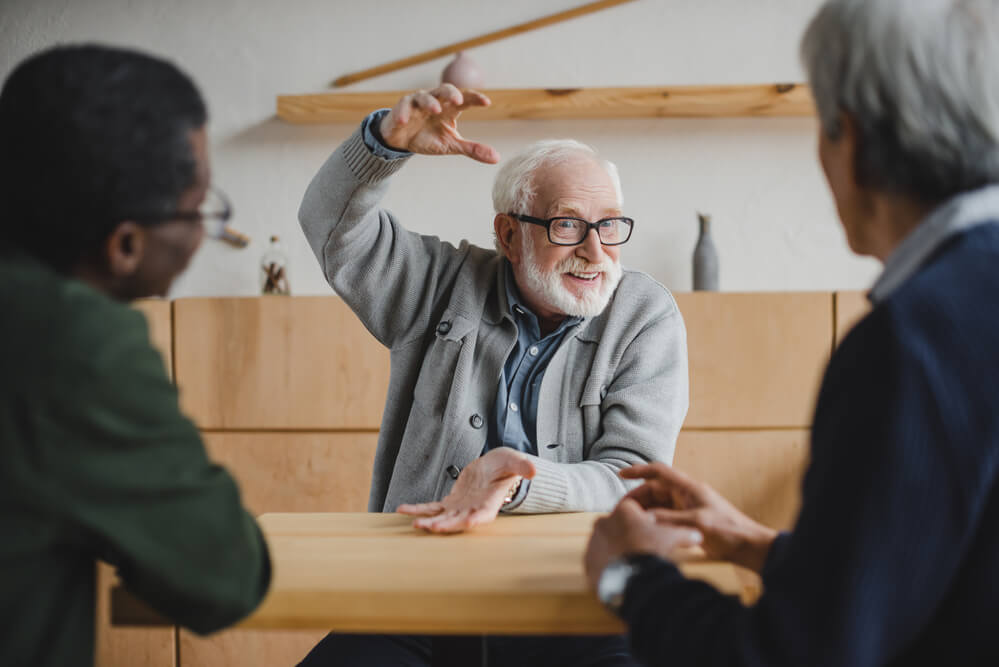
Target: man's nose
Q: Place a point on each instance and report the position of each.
(591, 249)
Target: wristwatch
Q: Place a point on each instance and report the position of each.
(512, 492)
(614, 579)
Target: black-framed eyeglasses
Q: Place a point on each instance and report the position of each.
(215, 211)
(573, 231)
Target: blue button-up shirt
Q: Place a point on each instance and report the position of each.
(515, 417)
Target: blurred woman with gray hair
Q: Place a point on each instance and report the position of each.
(894, 559)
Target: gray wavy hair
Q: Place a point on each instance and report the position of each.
(514, 189)
(921, 81)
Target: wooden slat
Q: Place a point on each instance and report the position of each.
(158, 316)
(278, 363)
(298, 472)
(284, 472)
(760, 472)
(851, 307)
(124, 647)
(488, 38)
(247, 648)
(555, 103)
(756, 360)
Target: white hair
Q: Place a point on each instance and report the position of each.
(515, 189)
(921, 82)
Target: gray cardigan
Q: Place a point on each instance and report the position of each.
(614, 394)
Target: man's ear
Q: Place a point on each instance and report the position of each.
(507, 235)
(124, 249)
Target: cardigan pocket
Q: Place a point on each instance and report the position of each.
(434, 383)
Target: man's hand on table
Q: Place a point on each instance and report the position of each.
(426, 122)
(675, 500)
(478, 494)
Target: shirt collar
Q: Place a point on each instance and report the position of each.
(953, 216)
(521, 313)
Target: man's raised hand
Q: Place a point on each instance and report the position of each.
(425, 122)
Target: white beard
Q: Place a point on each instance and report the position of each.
(548, 285)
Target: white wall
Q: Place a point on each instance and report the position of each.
(775, 224)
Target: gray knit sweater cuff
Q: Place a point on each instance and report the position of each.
(365, 165)
(549, 490)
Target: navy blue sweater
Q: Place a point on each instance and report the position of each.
(894, 559)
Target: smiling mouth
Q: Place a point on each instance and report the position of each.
(584, 276)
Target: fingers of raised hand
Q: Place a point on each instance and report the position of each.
(448, 93)
(480, 153)
(421, 509)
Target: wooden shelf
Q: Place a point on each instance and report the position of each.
(546, 103)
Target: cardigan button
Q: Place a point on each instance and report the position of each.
(453, 471)
(444, 327)
(476, 421)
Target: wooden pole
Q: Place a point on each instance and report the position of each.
(354, 77)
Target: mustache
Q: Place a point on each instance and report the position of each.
(573, 264)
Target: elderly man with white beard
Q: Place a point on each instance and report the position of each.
(523, 379)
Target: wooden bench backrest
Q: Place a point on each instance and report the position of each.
(289, 391)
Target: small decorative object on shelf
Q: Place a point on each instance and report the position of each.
(274, 270)
(463, 72)
(705, 257)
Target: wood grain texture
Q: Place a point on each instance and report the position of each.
(283, 472)
(247, 648)
(756, 360)
(851, 307)
(298, 472)
(760, 472)
(493, 580)
(125, 646)
(278, 363)
(555, 103)
(487, 38)
(159, 317)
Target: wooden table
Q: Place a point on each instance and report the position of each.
(375, 573)
(365, 573)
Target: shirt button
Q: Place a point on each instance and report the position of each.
(518, 310)
(475, 421)
(444, 327)
(453, 471)
(533, 351)
(513, 407)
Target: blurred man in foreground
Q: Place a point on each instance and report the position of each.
(893, 560)
(105, 189)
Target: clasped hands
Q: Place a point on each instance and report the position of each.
(477, 496)
(669, 512)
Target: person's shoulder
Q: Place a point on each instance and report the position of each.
(638, 292)
(54, 312)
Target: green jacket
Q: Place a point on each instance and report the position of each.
(97, 462)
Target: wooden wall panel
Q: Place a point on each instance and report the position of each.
(159, 317)
(760, 472)
(247, 648)
(125, 647)
(298, 472)
(283, 472)
(278, 363)
(756, 360)
(851, 307)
